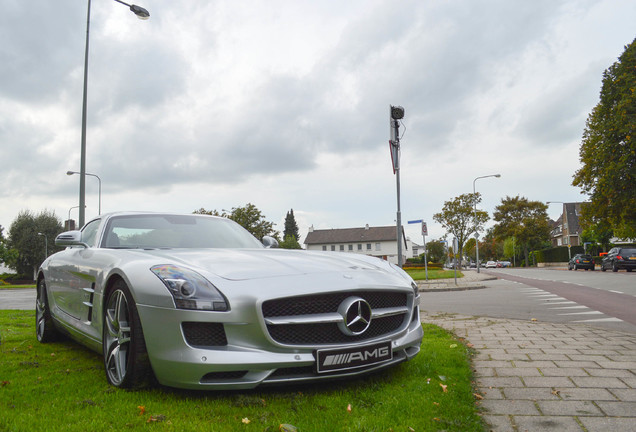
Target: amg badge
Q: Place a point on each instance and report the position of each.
(349, 358)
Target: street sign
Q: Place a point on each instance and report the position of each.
(424, 229)
(416, 221)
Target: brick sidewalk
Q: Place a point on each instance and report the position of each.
(537, 376)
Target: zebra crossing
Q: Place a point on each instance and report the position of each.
(567, 308)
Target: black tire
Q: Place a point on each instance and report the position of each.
(629, 270)
(124, 347)
(575, 268)
(603, 268)
(614, 267)
(45, 330)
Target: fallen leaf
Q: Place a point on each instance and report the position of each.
(142, 410)
(533, 319)
(411, 429)
(246, 420)
(478, 396)
(349, 408)
(444, 387)
(470, 345)
(4, 383)
(157, 418)
(453, 346)
(436, 419)
(52, 354)
(436, 403)
(287, 428)
(556, 392)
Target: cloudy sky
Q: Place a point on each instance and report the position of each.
(285, 104)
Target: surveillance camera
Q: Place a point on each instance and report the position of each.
(397, 112)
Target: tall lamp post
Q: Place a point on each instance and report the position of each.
(475, 209)
(141, 14)
(100, 187)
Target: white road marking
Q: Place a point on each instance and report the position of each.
(601, 320)
(584, 313)
(571, 307)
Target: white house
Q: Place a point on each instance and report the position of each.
(375, 241)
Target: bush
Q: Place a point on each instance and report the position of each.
(557, 254)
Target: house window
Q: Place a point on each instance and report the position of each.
(359, 246)
(341, 248)
(368, 246)
(333, 247)
(377, 246)
(350, 247)
(324, 248)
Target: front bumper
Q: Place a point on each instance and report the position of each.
(249, 358)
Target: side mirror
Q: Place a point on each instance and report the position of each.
(270, 242)
(70, 238)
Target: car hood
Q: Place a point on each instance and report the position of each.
(245, 264)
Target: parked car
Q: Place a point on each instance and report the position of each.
(491, 264)
(506, 264)
(619, 258)
(581, 261)
(199, 303)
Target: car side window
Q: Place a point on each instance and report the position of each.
(89, 233)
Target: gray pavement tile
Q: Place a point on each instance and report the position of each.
(590, 394)
(618, 364)
(604, 424)
(618, 373)
(547, 424)
(567, 372)
(577, 364)
(491, 363)
(549, 382)
(553, 357)
(619, 409)
(487, 382)
(598, 382)
(625, 395)
(534, 363)
(631, 382)
(499, 423)
(511, 407)
(530, 393)
(518, 371)
(569, 408)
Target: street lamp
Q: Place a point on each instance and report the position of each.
(100, 186)
(476, 230)
(141, 14)
(46, 244)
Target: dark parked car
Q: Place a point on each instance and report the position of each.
(581, 261)
(619, 258)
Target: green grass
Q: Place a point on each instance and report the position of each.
(9, 286)
(420, 273)
(61, 386)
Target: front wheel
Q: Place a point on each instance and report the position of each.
(125, 357)
(45, 330)
(614, 267)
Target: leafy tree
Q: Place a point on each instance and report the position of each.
(510, 248)
(290, 242)
(291, 227)
(249, 217)
(458, 217)
(469, 247)
(490, 248)
(608, 149)
(525, 220)
(29, 246)
(599, 234)
(436, 251)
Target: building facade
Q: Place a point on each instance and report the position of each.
(379, 242)
(566, 230)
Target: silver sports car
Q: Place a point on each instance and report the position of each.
(197, 302)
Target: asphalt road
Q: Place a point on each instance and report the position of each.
(602, 299)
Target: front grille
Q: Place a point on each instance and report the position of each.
(324, 303)
(204, 334)
(325, 333)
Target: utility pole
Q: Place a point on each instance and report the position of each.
(396, 114)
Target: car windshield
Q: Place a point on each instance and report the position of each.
(150, 231)
(627, 252)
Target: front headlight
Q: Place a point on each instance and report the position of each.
(189, 289)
